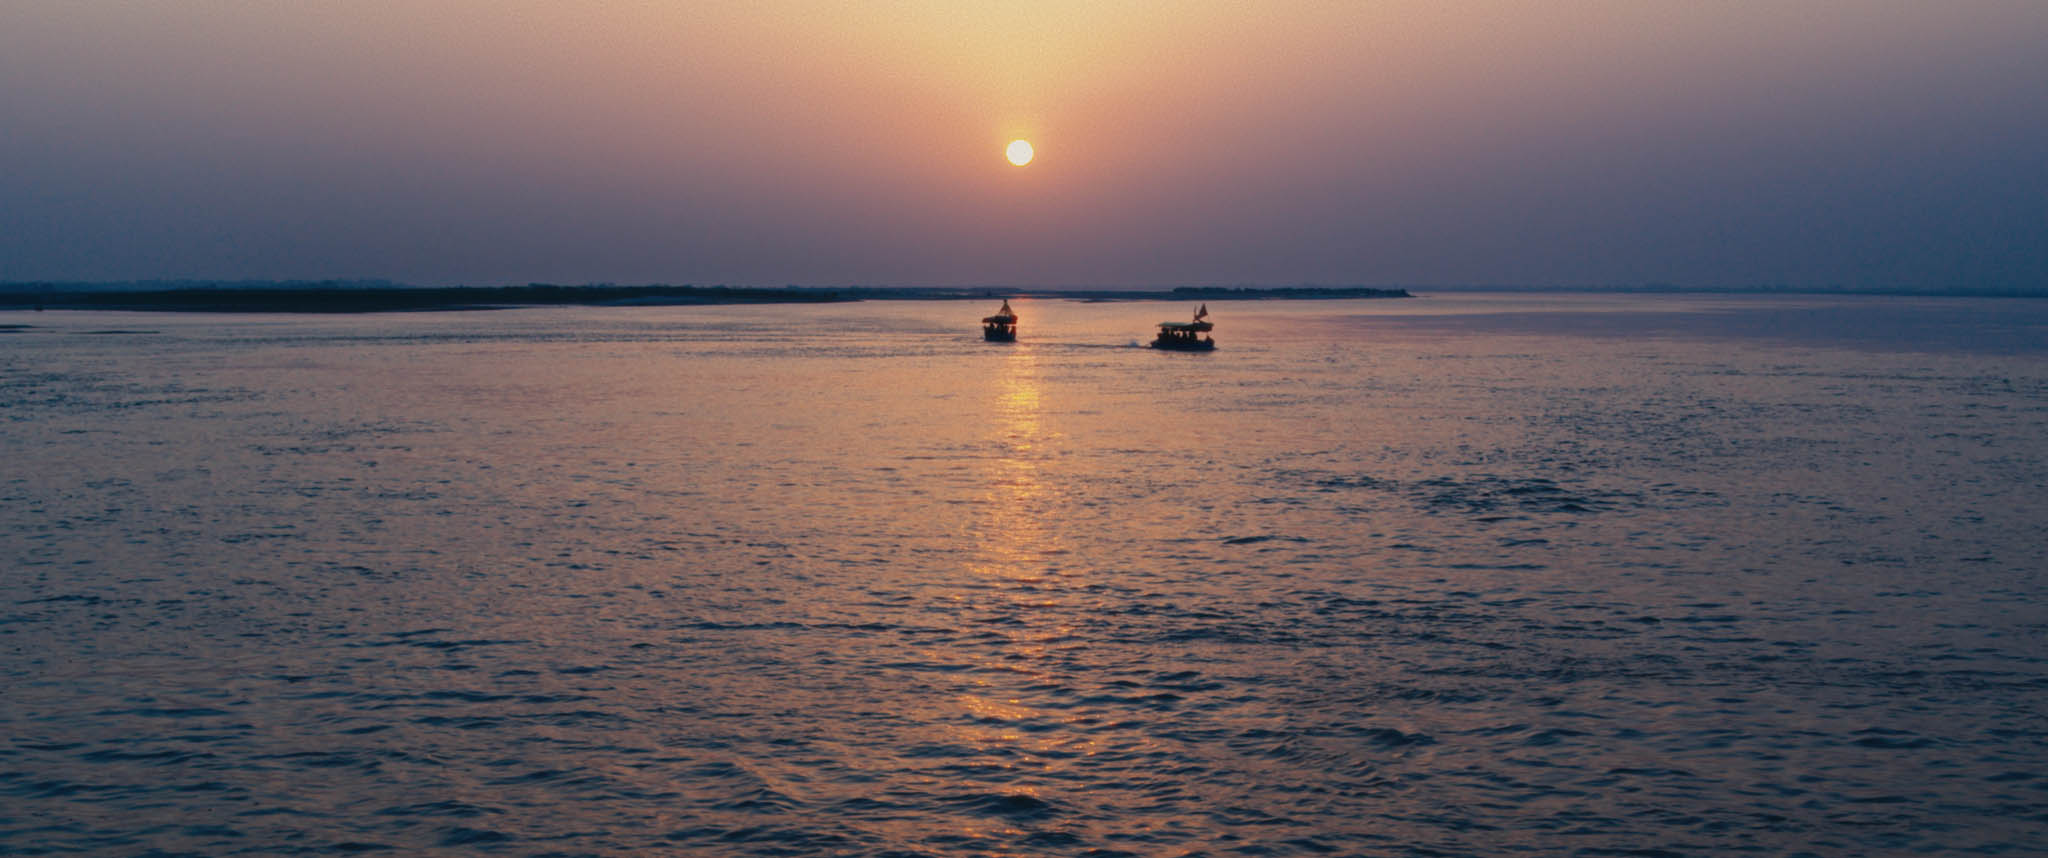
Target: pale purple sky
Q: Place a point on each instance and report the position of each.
(1870, 143)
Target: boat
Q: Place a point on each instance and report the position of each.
(1186, 336)
(1001, 327)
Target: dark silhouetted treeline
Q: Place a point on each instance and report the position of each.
(373, 296)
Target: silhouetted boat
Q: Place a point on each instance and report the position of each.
(1185, 336)
(1001, 327)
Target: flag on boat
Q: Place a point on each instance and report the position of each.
(1202, 312)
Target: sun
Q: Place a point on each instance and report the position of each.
(1019, 152)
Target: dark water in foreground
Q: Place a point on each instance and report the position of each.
(1451, 576)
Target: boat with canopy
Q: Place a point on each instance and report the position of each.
(1187, 336)
(1001, 327)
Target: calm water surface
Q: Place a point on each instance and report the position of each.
(1469, 575)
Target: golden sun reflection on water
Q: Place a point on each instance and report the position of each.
(1014, 566)
(1015, 537)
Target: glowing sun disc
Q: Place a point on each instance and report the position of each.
(1019, 152)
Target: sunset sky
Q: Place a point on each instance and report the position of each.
(1868, 143)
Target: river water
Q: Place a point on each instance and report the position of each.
(1457, 575)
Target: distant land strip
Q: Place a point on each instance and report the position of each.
(1179, 293)
(330, 296)
(323, 298)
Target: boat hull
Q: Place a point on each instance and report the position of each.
(1174, 345)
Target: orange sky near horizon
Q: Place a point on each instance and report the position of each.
(770, 142)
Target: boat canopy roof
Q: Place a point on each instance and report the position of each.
(1002, 319)
(1186, 326)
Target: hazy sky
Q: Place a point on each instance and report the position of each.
(1867, 143)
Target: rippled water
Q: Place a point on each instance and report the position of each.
(1472, 575)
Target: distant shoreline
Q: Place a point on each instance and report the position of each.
(324, 298)
(382, 297)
